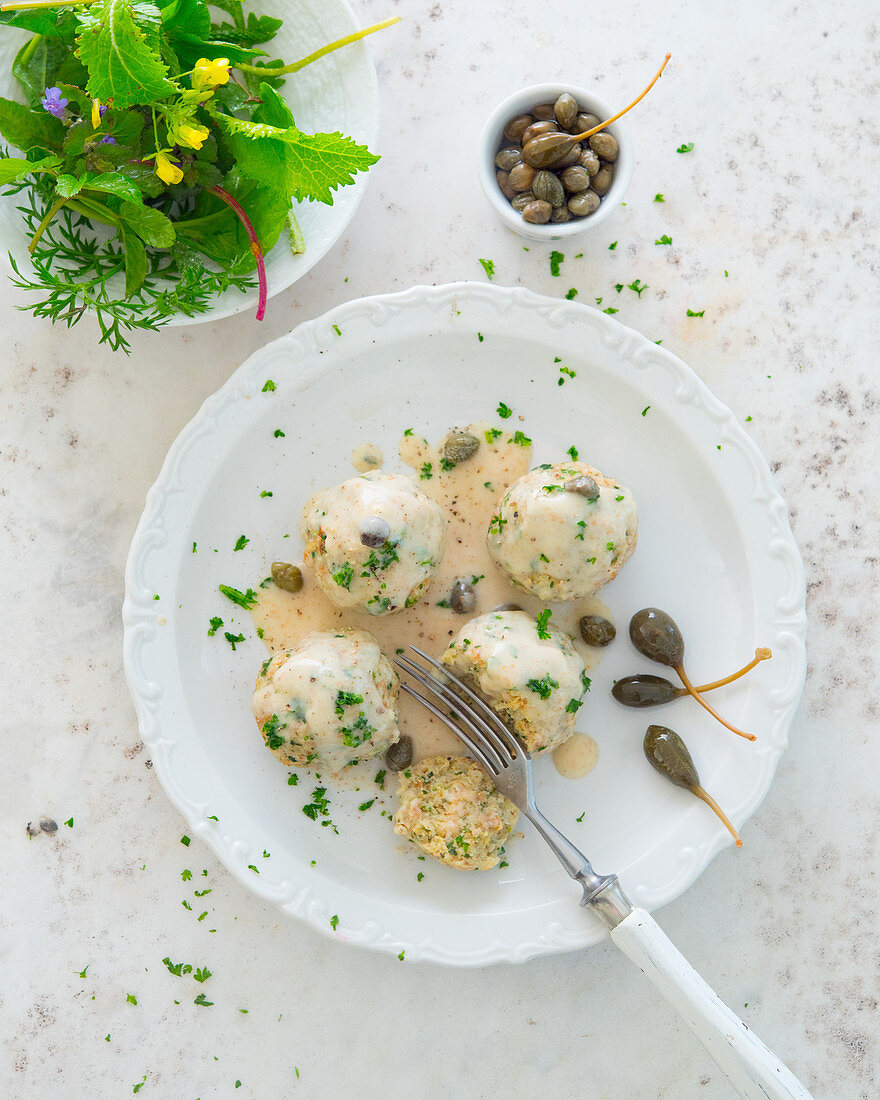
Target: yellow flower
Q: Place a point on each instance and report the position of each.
(96, 114)
(189, 134)
(210, 72)
(166, 169)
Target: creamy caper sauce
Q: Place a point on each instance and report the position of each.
(366, 456)
(577, 757)
(469, 494)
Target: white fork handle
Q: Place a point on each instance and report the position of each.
(754, 1071)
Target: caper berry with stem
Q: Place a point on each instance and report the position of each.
(669, 755)
(596, 630)
(286, 576)
(400, 754)
(656, 635)
(646, 690)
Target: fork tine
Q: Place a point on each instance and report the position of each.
(461, 711)
(468, 742)
(501, 731)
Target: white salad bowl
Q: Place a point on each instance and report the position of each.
(522, 102)
(337, 92)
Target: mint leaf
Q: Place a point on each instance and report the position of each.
(119, 41)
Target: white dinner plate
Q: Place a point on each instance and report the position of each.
(715, 550)
(337, 92)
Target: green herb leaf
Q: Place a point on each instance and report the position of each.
(151, 225)
(695, 313)
(26, 129)
(542, 620)
(119, 43)
(504, 411)
(685, 148)
(247, 600)
(489, 268)
(556, 258)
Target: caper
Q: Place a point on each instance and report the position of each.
(547, 187)
(584, 203)
(544, 112)
(537, 212)
(645, 690)
(603, 179)
(537, 128)
(605, 145)
(507, 607)
(520, 177)
(569, 157)
(48, 825)
(459, 446)
(400, 754)
(584, 486)
(544, 149)
(374, 531)
(463, 598)
(575, 178)
(286, 576)
(503, 186)
(586, 121)
(560, 214)
(656, 635)
(522, 200)
(590, 161)
(508, 157)
(513, 131)
(596, 630)
(566, 110)
(669, 755)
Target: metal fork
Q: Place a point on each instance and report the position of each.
(754, 1071)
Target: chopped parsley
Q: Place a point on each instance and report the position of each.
(334, 921)
(278, 433)
(489, 268)
(573, 453)
(233, 639)
(612, 246)
(551, 489)
(178, 969)
(247, 600)
(201, 974)
(337, 330)
(659, 198)
(203, 1001)
(685, 148)
(427, 471)
(131, 999)
(574, 705)
(366, 805)
(82, 973)
(185, 841)
(195, 547)
(492, 434)
(344, 576)
(272, 732)
(542, 687)
(266, 493)
(568, 372)
(610, 309)
(420, 876)
(570, 294)
(241, 542)
(346, 699)
(637, 286)
(497, 524)
(664, 240)
(480, 337)
(358, 732)
(401, 956)
(319, 807)
(69, 823)
(581, 818)
(582, 523)
(292, 779)
(445, 464)
(645, 410)
(520, 439)
(137, 1088)
(268, 386)
(186, 874)
(585, 681)
(556, 258)
(542, 620)
(504, 411)
(695, 313)
(380, 780)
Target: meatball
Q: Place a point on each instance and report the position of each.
(564, 531)
(528, 672)
(330, 701)
(451, 809)
(375, 542)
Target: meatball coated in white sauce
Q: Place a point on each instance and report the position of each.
(374, 542)
(527, 671)
(451, 809)
(330, 700)
(563, 531)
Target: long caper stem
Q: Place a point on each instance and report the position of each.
(761, 654)
(295, 66)
(716, 809)
(614, 118)
(691, 690)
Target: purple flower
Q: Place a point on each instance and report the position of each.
(102, 110)
(108, 139)
(53, 102)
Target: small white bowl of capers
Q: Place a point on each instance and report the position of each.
(542, 177)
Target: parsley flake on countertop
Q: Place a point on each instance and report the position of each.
(695, 312)
(137, 1088)
(480, 337)
(203, 1001)
(82, 973)
(241, 542)
(268, 386)
(556, 258)
(185, 841)
(278, 433)
(612, 246)
(489, 268)
(664, 240)
(581, 818)
(69, 823)
(637, 286)
(659, 198)
(504, 411)
(685, 148)
(131, 999)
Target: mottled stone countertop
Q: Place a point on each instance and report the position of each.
(782, 103)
